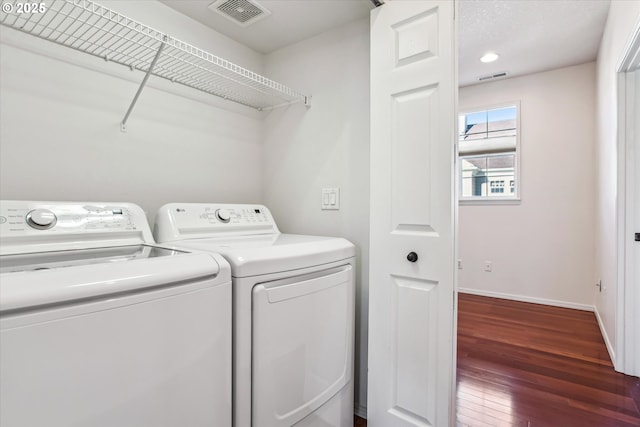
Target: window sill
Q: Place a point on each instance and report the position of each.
(492, 201)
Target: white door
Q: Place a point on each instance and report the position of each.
(411, 311)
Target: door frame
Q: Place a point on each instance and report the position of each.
(627, 330)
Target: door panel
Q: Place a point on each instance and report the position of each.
(416, 38)
(411, 144)
(415, 356)
(413, 92)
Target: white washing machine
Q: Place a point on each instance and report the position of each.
(293, 312)
(100, 328)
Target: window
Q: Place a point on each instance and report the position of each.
(488, 148)
(497, 186)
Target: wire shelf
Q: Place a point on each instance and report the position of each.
(94, 29)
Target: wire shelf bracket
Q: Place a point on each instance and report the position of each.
(91, 28)
(123, 125)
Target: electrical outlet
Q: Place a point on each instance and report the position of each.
(487, 266)
(459, 264)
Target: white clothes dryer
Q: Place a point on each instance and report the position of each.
(98, 327)
(293, 312)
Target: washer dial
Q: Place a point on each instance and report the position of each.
(223, 215)
(41, 219)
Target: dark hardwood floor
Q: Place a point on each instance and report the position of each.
(531, 365)
(522, 364)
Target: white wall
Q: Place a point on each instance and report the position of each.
(59, 125)
(624, 18)
(325, 146)
(541, 249)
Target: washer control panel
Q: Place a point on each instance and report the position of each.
(177, 221)
(71, 223)
(248, 216)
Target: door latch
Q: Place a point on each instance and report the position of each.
(637, 237)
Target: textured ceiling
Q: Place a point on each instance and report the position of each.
(290, 21)
(529, 35)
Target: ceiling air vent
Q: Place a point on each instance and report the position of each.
(242, 12)
(492, 76)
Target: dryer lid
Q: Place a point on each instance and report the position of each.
(273, 253)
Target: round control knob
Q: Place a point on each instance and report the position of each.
(223, 215)
(41, 219)
(413, 257)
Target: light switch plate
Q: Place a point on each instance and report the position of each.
(331, 199)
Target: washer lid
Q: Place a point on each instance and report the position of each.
(29, 281)
(65, 259)
(273, 253)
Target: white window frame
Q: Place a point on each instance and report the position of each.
(492, 200)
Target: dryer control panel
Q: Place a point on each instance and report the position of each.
(30, 226)
(177, 221)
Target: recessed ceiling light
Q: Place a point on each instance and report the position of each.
(489, 57)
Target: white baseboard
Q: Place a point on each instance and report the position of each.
(360, 410)
(522, 298)
(603, 331)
